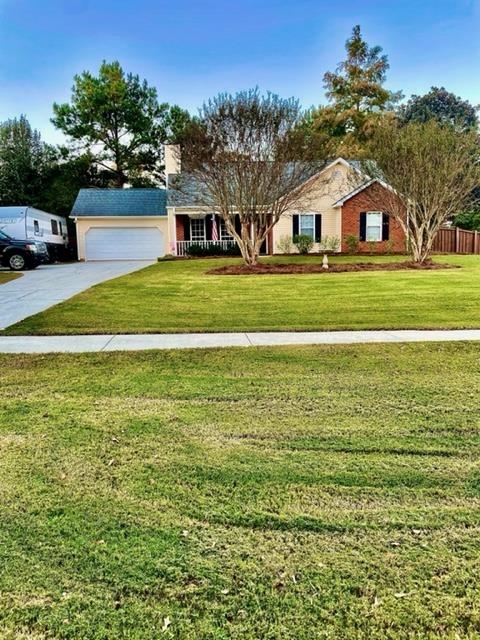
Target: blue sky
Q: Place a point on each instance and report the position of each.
(190, 51)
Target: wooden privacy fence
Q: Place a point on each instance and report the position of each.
(454, 240)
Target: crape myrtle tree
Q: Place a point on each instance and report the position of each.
(250, 160)
(431, 170)
(117, 119)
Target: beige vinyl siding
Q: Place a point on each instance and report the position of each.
(328, 187)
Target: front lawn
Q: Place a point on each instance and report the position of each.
(178, 296)
(283, 494)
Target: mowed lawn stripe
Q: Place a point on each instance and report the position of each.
(296, 492)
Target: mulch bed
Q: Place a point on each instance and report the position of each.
(261, 269)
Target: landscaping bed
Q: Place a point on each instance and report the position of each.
(271, 268)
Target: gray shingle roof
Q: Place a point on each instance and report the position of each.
(120, 202)
(184, 191)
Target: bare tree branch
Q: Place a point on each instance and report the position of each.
(249, 160)
(432, 170)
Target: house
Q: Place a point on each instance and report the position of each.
(340, 202)
(150, 223)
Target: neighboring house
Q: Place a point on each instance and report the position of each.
(150, 223)
(121, 224)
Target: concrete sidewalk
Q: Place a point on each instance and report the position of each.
(79, 344)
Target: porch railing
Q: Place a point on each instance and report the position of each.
(183, 245)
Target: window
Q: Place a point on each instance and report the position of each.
(373, 231)
(224, 235)
(197, 230)
(36, 227)
(54, 227)
(374, 226)
(306, 225)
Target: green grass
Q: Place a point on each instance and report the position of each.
(177, 296)
(291, 493)
(7, 276)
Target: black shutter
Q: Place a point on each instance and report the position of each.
(186, 228)
(385, 225)
(295, 226)
(363, 227)
(318, 227)
(208, 227)
(238, 225)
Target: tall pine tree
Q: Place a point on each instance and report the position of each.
(356, 95)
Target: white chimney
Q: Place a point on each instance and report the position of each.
(172, 159)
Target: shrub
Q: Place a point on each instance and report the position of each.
(469, 220)
(202, 250)
(352, 244)
(284, 244)
(303, 243)
(389, 246)
(330, 243)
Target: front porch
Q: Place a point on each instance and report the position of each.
(202, 234)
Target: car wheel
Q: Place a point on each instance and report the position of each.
(17, 262)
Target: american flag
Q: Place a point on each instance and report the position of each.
(214, 229)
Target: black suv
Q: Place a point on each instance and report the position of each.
(21, 254)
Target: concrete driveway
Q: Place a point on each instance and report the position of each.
(50, 284)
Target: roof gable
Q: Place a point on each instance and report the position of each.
(359, 189)
(186, 191)
(120, 202)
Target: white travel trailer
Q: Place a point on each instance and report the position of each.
(28, 223)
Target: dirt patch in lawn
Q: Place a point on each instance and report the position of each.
(260, 269)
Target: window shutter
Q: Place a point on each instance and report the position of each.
(186, 228)
(295, 226)
(238, 225)
(363, 227)
(385, 226)
(318, 227)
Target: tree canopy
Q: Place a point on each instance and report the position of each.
(443, 106)
(117, 118)
(432, 171)
(356, 95)
(250, 159)
(25, 161)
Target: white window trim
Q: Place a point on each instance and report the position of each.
(310, 229)
(375, 226)
(194, 237)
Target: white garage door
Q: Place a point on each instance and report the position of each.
(128, 243)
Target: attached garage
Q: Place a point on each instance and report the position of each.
(121, 224)
(127, 243)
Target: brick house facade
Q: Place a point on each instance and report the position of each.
(373, 198)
